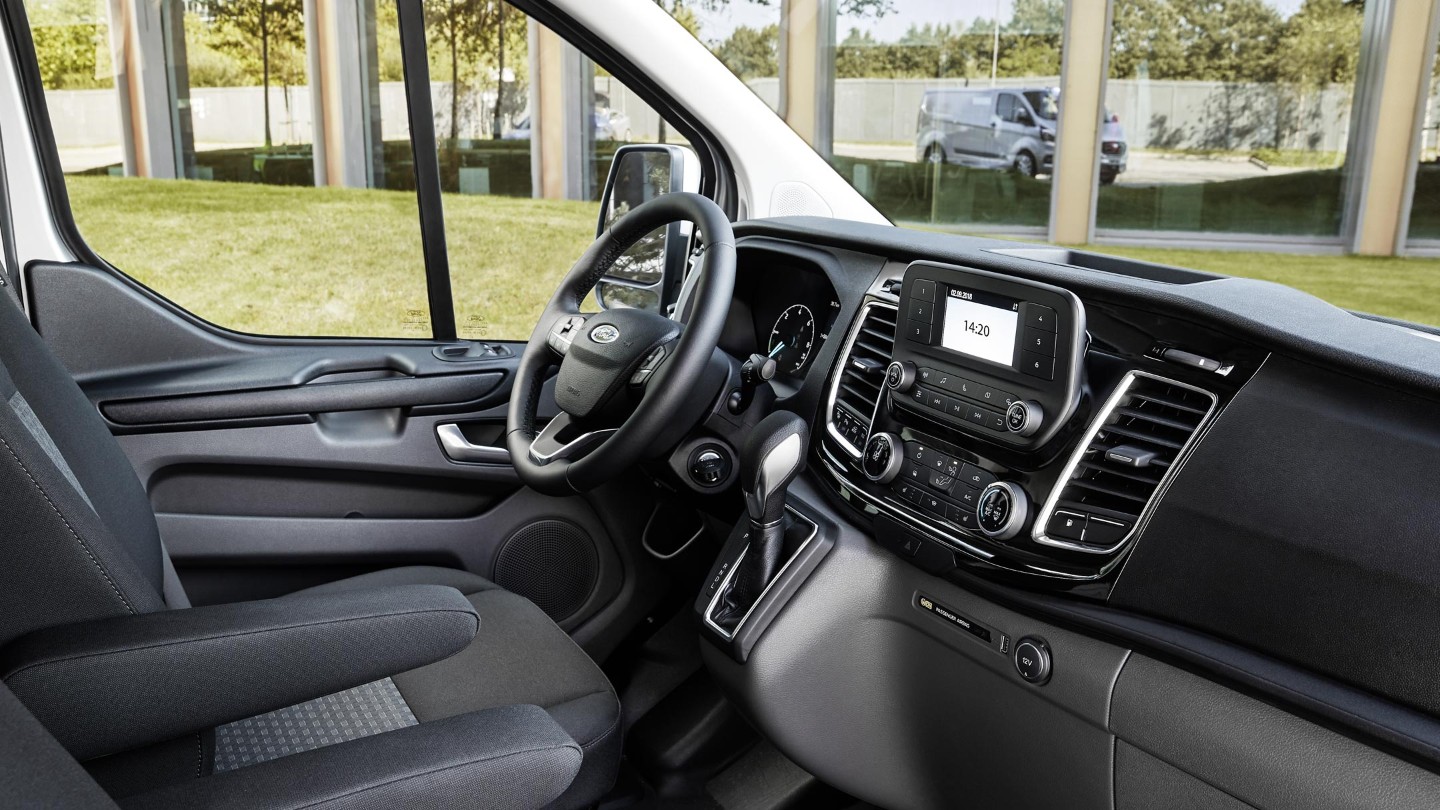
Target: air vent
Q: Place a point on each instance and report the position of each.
(1130, 449)
(858, 386)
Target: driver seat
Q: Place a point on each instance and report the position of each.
(81, 556)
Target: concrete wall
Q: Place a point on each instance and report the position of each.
(235, 115)
(1166, 114)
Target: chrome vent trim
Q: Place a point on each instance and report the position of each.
(846, 388)
(1117, 418)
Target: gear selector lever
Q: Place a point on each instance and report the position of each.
(772, 456)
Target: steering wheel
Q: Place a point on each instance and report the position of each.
(626, 375)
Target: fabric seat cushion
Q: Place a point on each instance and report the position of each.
(519, 656)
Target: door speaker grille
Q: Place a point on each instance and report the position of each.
(553, 563)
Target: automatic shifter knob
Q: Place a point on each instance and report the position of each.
(772, 456)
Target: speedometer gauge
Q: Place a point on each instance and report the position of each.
(792, 339)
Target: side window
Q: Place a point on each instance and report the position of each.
(1005, 108)
(266, 180)
(241, 189)
(526, 127)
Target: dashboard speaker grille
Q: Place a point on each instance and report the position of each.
(553, 563)
(863, 372)
(1139, 440)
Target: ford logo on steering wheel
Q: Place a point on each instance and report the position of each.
(604, 333)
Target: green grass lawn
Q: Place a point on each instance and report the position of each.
(292, 260)
(347, 262)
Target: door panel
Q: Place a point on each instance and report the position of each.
(275, 464)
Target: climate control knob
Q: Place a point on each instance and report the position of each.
(1023, 417)
(884, 455)
(1002, 509)
(900, 376)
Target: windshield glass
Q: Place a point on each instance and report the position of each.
(1221, 124)
(1043, 103)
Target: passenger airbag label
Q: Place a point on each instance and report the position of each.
(969, 626)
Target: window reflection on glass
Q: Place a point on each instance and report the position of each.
(945, 112)
(1237, 115)
(1425, 205)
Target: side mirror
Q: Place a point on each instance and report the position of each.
(649, 273)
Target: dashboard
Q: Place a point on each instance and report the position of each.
(1037, 473)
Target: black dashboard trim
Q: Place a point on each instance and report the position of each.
(1405, 732)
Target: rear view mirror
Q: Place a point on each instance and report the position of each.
(646, 276)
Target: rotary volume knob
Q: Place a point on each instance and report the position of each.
(900, 376)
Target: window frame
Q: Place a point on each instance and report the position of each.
(717, 175)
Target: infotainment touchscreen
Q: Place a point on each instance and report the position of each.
(980, 324)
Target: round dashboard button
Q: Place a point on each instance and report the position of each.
(1001, 510)
(1032, 660)
(883, 458)
(1023, 417)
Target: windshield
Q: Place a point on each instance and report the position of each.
(1043, 103)
(1228, 127)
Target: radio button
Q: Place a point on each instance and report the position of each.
(917, 331)
(1039, 317)
(936, 401)
(923, 289)
(921, 310)
(1039, 341)
(995, 420)
(1037, 365)
(956, 409)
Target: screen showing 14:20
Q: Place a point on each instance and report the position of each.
(980, 325)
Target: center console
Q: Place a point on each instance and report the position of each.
(965, 421)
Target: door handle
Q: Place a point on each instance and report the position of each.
(459, 448)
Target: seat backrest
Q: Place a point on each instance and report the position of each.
(78, 538)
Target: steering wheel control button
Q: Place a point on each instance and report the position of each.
(900, 376)
(1032, 660)
(884, 456)
(1023, 417)
(1002, 510)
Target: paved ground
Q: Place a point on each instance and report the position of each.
(1144, 169)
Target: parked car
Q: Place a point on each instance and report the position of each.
(1004, 129)
(610, 125)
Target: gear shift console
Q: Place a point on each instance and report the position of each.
(772, 456)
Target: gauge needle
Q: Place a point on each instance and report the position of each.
(779, 347)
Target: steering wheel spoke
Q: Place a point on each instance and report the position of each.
(563, 439)
(564, 331)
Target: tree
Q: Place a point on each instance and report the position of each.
(1319, 44)
(72, 44)
(277, 27)
(1147, 35)
(751, 52)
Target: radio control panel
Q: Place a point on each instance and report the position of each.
(990, 355)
